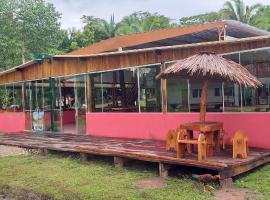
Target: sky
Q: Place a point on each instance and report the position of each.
(73, 10)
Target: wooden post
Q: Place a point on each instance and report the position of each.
(118, 162)
(164, 90)
(226, 183)
(43, 151)
(84, 157)
(114, 97)
(24, 95)
(52, 103)
(163, 170)
(203, 101)
(222, 33)
(89, 93)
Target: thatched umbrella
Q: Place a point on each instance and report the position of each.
(210, 66)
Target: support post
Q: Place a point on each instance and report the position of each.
(203, 101)
(84, 157)
(23, 95)
(52, 87)
(43, 151)
(89, 93)
(222, 33)
(164, 90)
(118, 162)
(163, 170)
(226, 183)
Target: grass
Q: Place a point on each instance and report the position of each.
(65, 178)
(258, 181)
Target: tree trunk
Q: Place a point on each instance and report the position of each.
(203, 101)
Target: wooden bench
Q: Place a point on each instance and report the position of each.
(183, 141)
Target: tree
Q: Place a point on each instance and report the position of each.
(203, 18)
(139, 22)
(28, 28)
(262, 19)
(110, 28)
(237, 10)
(96, 27)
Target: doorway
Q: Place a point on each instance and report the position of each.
(73, 99)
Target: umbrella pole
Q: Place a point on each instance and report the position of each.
(203, 101)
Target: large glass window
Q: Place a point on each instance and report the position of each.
(3, 105)
(9, 99)
(150, 89)
(177, 94)
(214, 98)
(120, 91)
(18, 97)
(232, 92)
(257, 63)
(96, 92)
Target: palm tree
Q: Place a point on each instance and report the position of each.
(111, 27)
(237, 10)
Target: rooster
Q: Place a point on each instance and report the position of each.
(206, 178)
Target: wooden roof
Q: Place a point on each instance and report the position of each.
(173, 36)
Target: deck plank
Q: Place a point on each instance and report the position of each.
(147, 150)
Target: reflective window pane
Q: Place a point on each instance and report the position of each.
(18, 101)
(214, 98)
(9, 98)
(150, 89)
(257, 63)
(232, 92)
(120, 91)
(232, 97)
(177, 95)
(96, 86)
(3, 105)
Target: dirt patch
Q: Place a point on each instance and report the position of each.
(234, 194)
(13, 193)
(11, 151)
(151, 183)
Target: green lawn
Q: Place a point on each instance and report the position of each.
(64, 178)
(67, 178)
(258, 181)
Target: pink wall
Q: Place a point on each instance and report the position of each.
(156, 125)
(12, 122)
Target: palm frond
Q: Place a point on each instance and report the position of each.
(230, 11)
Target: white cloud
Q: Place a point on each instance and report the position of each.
(72, 10)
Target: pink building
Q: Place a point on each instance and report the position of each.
(109, 88)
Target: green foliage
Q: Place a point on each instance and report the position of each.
(28, 27)
(64, 178)
(203, 18)
(139, 22)
(262, 20)
(237, 10)
(258, 181)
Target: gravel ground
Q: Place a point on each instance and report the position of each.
(11, 151)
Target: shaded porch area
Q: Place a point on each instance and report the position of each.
(122, 149)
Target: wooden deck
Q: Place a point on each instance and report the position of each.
(146, 150)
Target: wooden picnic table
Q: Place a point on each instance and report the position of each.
(211, 130)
